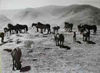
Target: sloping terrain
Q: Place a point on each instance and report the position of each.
(42, 55)
(40, 51)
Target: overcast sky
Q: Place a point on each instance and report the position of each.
(18, 4)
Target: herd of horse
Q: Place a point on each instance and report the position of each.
(42, 27)
(59, 38)
(15, 28)
(85, 30)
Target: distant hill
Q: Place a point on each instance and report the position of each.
(57, 15)
(4, 21)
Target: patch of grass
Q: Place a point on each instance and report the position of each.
(28, 43)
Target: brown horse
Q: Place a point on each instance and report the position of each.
(16, 56)
(42, 27)
(68, 26)
(2, 36)
(6, 30)
(55, 29)
(86, 35)
(59, 38)
(82, 27)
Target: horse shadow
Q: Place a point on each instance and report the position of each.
(66, 47)
(90, 42)
(3, 43)
(8, 50)
(25, 69)
(79, 42)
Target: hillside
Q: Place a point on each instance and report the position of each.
(3, 21)
(39, 51)
(75, 14)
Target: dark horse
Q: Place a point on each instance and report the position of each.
(86, 35)
(68, 26)
(42, 27)
(2, 36)
(55, 29)
(6, 30)
(16, 56)
(48, 28)
(12, 28)
(34, 24)
(86, 26)
(59, 38)
(21, 27)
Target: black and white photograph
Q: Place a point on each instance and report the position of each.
(49, 36)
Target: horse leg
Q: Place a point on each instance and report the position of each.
(13, 65)
(54, 31)
(10, 32)
(41, 30)
(95, 31)
(18, 65)
(56, 43)
(44, 30)
(83, 37)
(60, 43)
(20, 31)
(2, 39)
(48, 31)
(37, 30)
(88, 38)
(63, 43)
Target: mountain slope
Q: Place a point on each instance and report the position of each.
(75, 14)
(4, 21)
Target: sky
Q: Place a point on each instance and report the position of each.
(20, 4)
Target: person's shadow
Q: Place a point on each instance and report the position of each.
(25, 69)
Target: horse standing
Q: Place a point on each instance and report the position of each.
(68, 26)
(2, 36)
(6, 30)
(40, 26)
(34, 24)
(16, 56)
(55, 29)
(59, 38)
(48, 28)
(20, 27)
(56, 37)
(81, 28)
(12, 28)
(86, 35)
(74, 36)
(90, 27)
